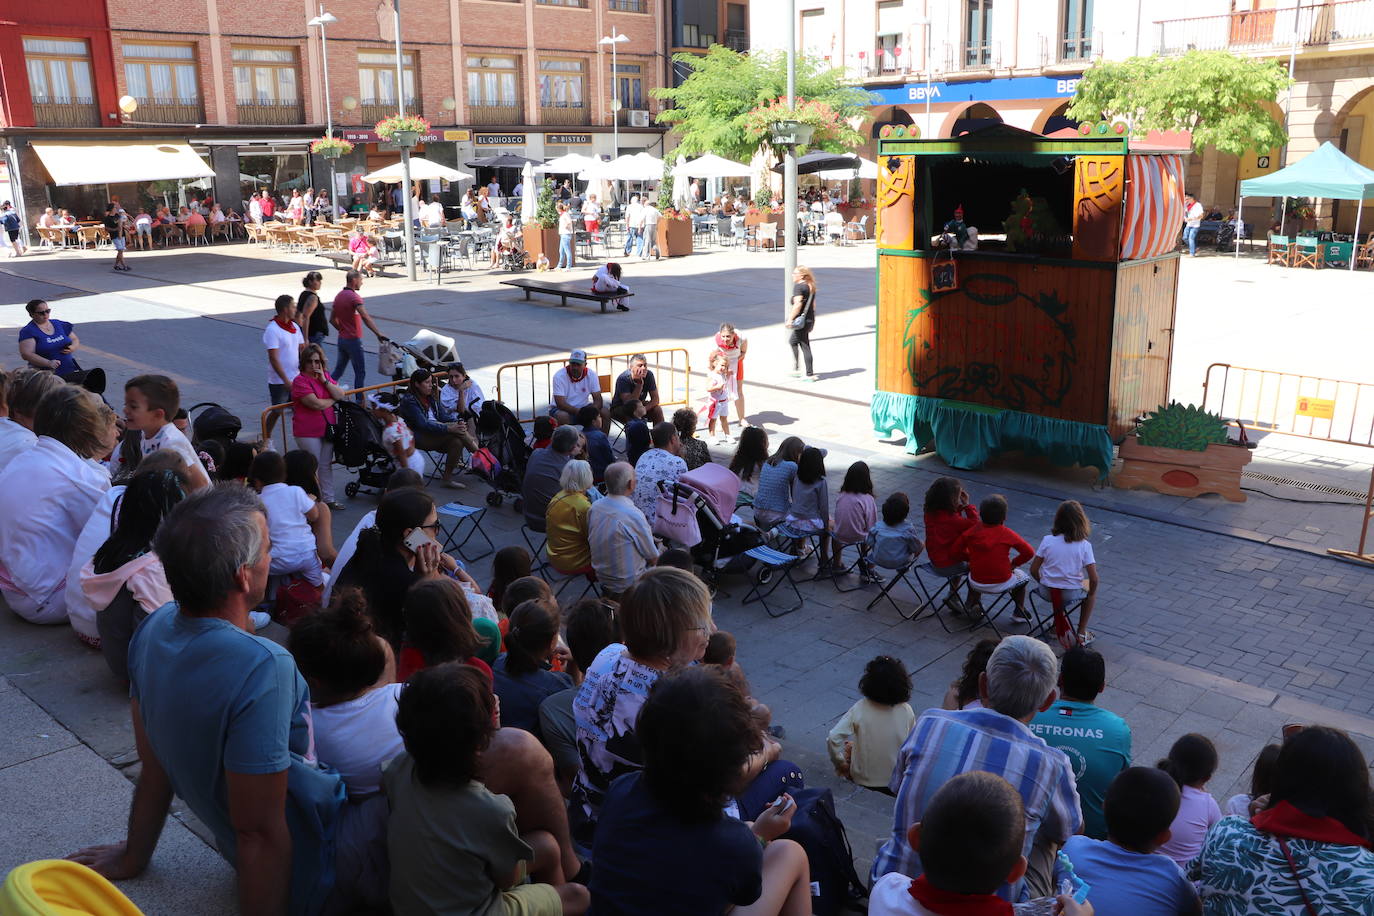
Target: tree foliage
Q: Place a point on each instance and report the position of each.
(1220, 97)
(711, 107)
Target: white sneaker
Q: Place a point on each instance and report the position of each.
(260, 619)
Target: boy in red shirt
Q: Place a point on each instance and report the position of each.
(986, 546)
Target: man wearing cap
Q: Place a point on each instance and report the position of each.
(574, 387)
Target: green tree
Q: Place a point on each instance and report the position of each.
(711, 106)
(1220, 97)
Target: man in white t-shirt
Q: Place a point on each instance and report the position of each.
(433, 216)
(648, 243)
(634, 226)
(1192, 222)
(574, 387)
(283, 341)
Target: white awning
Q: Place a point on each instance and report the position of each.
(112, 163)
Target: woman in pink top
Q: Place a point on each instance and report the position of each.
(364, 255)
(313, 394)
(856, 512)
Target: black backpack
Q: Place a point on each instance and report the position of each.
(817, 828)
(214, 422)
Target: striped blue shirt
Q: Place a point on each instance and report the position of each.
(775, 487)
(945, 743)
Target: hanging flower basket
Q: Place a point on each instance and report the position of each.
(331, 147)
(403, 131)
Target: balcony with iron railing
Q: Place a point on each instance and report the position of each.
(75, 112)
(370, 111)
(254, 111)
(1270, 31)
(737, 40)
(976, 54)
(171, 111)
(569, 115)
(484, 114)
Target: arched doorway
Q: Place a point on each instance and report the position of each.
(974, 117)
(1056, 118)
(1354, 136)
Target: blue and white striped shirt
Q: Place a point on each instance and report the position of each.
(944, 744)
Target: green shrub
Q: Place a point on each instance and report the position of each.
(1176, 426)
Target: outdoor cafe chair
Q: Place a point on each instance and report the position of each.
(1280, 250)
(90, 235)
(1364, 254)
(1307, 252)
(196, 234)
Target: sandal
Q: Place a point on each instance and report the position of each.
(1086, 638)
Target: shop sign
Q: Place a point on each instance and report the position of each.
(499, 139)
(458, 136)
(370, 136)
(567, 139)
(993, 90)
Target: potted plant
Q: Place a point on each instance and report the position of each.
(675, 233)
(331, 147)
(541, 233)
(1183, 451)
(403, 130)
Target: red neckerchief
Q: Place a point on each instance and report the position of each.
(1287, 821)
(287, 326)
(948, 903)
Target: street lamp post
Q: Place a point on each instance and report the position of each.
(789, 168)
(614, 39)
(409, 233)
(322, 20)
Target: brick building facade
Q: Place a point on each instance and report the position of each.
(242, 84)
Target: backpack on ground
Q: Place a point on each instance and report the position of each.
(817, 828)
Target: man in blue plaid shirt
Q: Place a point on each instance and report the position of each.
(1019, 682)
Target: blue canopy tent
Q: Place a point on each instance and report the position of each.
(1326, 173)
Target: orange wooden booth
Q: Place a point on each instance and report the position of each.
(1055, 332)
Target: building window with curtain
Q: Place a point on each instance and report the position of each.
(60, 82)
(494, 95)
(977, 33)
(1076, 42)
(562, 91)
(629, 86)
(578, 3)
(377, 84)
(885, 53)
(162, 77)
(266, 86)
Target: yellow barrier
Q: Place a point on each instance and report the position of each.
(527, 388)
(279, 409)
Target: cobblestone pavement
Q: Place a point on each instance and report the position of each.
(1214, 617)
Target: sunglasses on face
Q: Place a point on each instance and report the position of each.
(38, 312)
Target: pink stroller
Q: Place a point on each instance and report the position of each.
(712, 490)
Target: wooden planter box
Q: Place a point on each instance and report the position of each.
(1181, 472)
(543, 241)
(674, 237)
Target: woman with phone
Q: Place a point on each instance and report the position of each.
(393, 555)
(667, 821)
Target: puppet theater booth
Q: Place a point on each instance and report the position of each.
(1047, 331)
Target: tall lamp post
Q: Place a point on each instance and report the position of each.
(409, 234)
(322, 20)
(614, 39)
(789, 169)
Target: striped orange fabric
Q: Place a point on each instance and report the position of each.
(1153, 212)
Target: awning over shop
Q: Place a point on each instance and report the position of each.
(113, 163)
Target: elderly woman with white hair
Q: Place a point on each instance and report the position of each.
(75, 430)
(566, 521)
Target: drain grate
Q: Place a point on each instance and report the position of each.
(1305, 485)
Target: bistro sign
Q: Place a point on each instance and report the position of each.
(499, 139)
(567, 139)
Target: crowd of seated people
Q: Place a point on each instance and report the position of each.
(427, 743)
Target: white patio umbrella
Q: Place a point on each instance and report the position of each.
(680, 183)
(713, 166)
(867, 169)
(421, 169)
(529, 200)
(570, 164)
(639, 167)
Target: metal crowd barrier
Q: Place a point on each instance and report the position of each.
(527, 388)
(280, 409)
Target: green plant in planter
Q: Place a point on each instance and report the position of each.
(1176, 426)
(763, 197)
(665, 187)
(546, 210)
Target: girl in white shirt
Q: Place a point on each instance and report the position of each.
(1065, 561)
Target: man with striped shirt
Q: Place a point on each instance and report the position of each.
(621, 540)
(1019, 682)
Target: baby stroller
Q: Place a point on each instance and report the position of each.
(358, 446)
(712, 490)
(214, 423)
(502, 453)
(426, 350)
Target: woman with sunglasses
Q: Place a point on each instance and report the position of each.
(384, 566)
(313, 395)
(46, 342)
